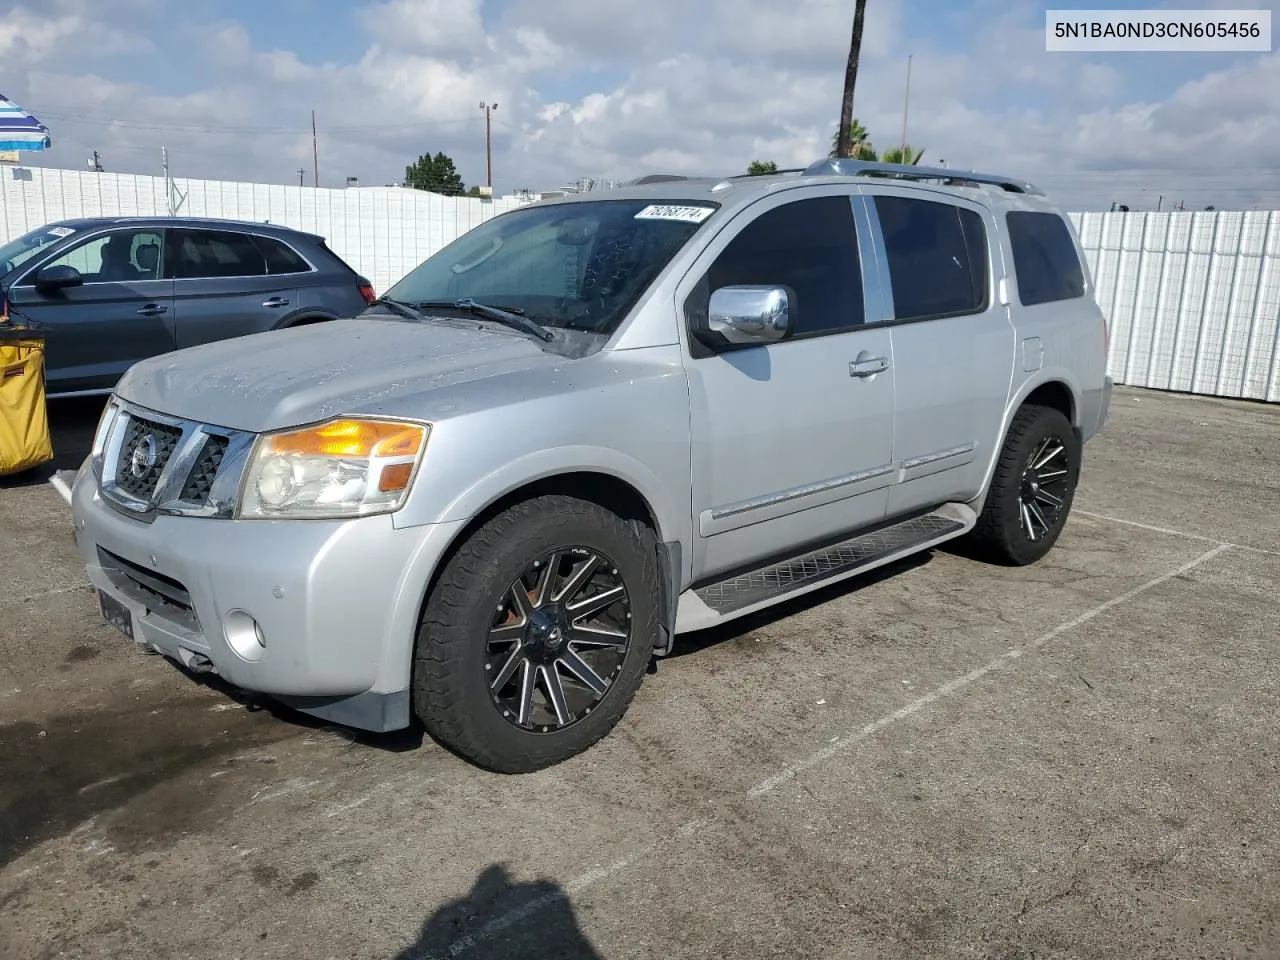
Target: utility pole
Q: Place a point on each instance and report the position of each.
(906, 99)
(488, 144)
(95, 163)
(301, 171)
(315, 150)
(843, 144)
(1159, 202)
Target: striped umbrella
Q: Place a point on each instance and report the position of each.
(19, 130)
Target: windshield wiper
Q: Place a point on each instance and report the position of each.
(403, 309)
(509, 318)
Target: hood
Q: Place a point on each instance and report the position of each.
(284, 378)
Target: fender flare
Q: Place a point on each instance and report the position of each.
(1047, 375)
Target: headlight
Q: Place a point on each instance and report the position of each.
(343, 468)
(105, 423)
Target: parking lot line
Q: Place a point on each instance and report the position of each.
(470, 941)
(1175, 533)
(915, 706)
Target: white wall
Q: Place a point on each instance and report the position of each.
(1193, 298)
(383, 232)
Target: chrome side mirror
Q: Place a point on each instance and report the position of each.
(749, 314)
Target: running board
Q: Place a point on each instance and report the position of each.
(740, 595)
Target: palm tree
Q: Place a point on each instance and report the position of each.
(859, 146)
(843, 146)
(908, 155)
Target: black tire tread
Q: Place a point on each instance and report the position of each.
(990, 536)
(438, 696)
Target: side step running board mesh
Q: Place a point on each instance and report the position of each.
(809, 568)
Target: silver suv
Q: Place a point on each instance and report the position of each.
(590, 425)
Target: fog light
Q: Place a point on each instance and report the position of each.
(244, 636)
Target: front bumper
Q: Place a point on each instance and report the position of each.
(1105, 407)
(336, 602)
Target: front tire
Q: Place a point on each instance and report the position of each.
(537, 634)
(1032, 489)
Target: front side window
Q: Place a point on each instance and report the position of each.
(1044, 258)
(579, 265)
(121, 256)
(937, 257)
(809, 246)
(18, 251)
(210, 254)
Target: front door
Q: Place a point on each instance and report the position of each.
(121, 314)
(793, 441)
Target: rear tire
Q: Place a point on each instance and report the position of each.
(1032, 489)
(510, 672)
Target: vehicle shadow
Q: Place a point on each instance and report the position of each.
(500, 919)
(72, 423)
(691, 644)
(396, 741)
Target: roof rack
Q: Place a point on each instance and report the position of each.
(846, 167)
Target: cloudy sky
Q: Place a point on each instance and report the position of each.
(618, 88)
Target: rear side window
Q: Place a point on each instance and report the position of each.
(281, 258)
(1044, 258)
(937, 257)
(207, 254)
(808, 245)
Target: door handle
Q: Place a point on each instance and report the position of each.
(868, 367)
(275, 302)
(152, 310)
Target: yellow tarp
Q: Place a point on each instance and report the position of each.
(24, 419)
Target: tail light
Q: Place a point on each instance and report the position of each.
(366, 291)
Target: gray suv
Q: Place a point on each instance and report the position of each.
(590, 425)
(111, 291)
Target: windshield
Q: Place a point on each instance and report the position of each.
(576, 266)
(17, 252)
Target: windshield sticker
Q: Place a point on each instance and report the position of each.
(61, 231)
(683, 214)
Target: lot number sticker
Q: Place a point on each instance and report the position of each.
(683, 214)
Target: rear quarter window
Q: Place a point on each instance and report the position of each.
(1045, 261)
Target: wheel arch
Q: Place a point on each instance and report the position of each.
(305, 318)
(608, 489)
(1056, 389)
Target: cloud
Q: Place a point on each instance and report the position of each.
(685, 88)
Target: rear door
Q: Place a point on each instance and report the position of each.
(122, 313)
(223, 286)
(953, 343)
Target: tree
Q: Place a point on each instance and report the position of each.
(761, 167)
(858, 143)
(844, 147)
(437, 174)
(907, 155)
(860, 148)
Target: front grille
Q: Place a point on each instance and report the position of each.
(200, 479)
(141, 460)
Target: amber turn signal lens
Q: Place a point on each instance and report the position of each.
(394, 477)
(352, 438)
